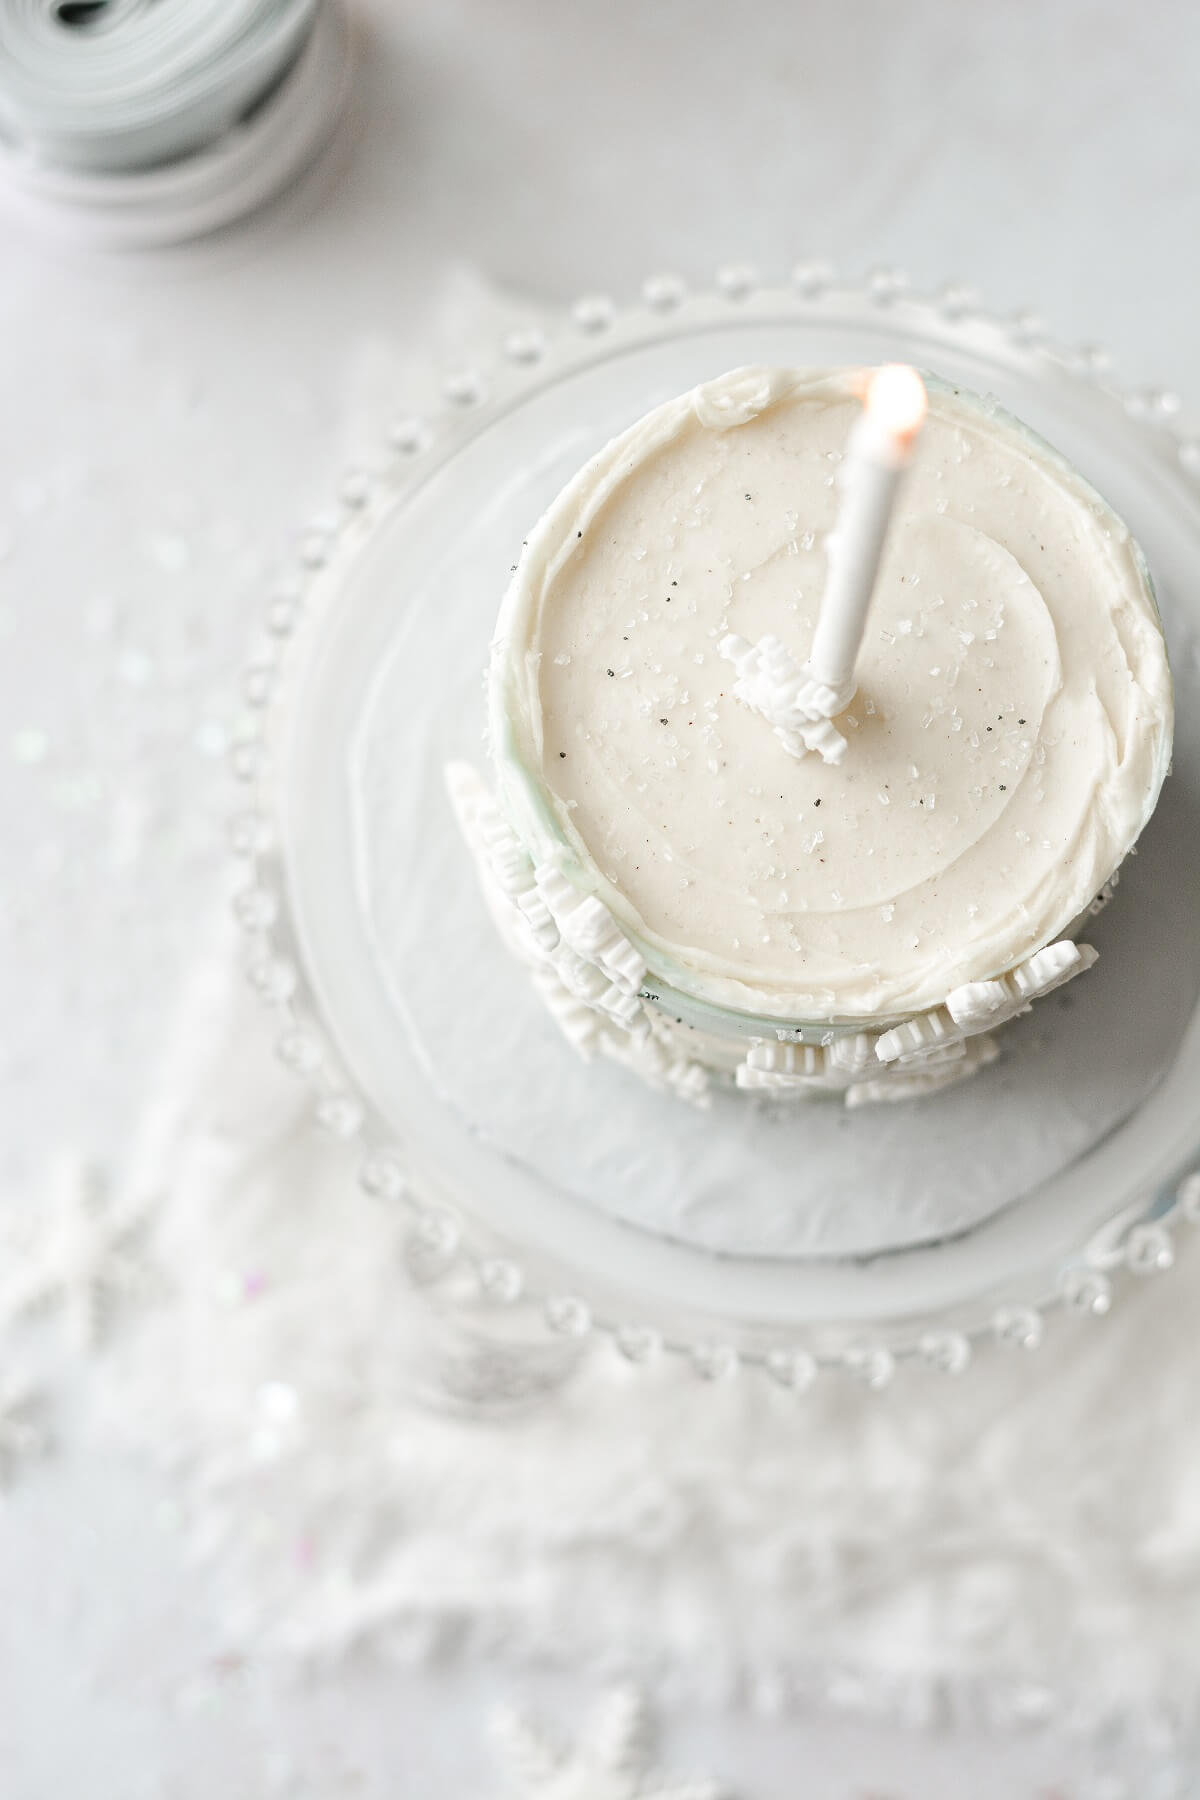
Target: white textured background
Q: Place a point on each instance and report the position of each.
(168, 422)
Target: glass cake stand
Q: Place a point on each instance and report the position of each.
(550, 1195)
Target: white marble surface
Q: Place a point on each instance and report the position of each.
(170, 420)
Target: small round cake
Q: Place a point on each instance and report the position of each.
(700, 901)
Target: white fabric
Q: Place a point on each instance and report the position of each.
(361, 1464)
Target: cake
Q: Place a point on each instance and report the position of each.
(704, 904)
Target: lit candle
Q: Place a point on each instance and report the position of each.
(877, 453)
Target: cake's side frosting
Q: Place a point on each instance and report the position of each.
(593, 983)
(691, 898)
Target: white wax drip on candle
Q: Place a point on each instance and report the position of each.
(772, 683)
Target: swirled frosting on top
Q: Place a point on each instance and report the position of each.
(1007, 742)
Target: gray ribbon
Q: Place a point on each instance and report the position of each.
(114, 86)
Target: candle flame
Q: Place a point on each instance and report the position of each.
(896, 400)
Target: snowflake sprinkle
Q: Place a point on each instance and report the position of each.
(610, 1760)
(81, 1258)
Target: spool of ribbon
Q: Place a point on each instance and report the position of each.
(144, 121)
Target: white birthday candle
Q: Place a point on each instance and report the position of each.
(877, 453)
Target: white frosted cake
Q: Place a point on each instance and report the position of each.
(702, 902)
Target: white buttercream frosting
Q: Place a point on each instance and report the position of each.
(587, 972)
(1009, 734)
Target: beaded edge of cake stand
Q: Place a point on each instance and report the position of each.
(442, 1250)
